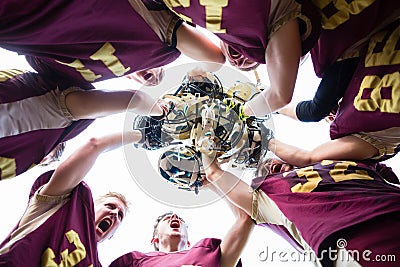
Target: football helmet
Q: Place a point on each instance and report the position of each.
(184, 121)
(243, 91)
(152, 136)
(182, 166)
(206, 84)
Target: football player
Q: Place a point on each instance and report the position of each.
(170, 236)
(38, 113)
(61, 213)
(329, 209)
(98, 40)
(367, 124)
(278, 33)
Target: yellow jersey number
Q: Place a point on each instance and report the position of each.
(106, 55)
(68, 259)
(213, 12)
(336, 12)
(387, 56)
(337, 174)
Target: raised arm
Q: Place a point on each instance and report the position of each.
(344, 148)
(94, 104)
(282, 56)
(235, 240)
(72, 171)
(237, 191)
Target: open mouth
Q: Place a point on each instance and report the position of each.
(275, 168)
(175, 224)
(105, 224)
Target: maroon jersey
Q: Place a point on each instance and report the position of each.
(27, 141)
(246, 25)
(345, 23)
(68, 235)
(86, 40)
(205, 253)
(327, 197)
(371, 102)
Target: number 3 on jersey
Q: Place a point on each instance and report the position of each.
(67, 259)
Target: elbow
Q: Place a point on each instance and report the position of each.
(280, 97)
(312, 158)
(220, 58)
(284, 99)
(94, 144)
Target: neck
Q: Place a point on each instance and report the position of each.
(171, 246)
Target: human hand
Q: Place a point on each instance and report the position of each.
(165, 106)
(197, 74)
(150, 128)
(237, 107)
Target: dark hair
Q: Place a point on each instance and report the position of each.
(159, 218)
(58, 150)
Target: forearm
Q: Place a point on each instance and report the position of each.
(289, 110)
(290, 154)
(94, 104)
(234, 242)
(72, 171)
(229, 185)
(113, 141)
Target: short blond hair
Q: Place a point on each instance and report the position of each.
(116, 195)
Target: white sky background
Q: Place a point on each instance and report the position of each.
(111, 174)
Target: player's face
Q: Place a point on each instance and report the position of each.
(150, 77)
(173, 228)
(276, 166)
(109, 213)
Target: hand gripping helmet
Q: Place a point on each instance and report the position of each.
(185, 119)
(181, 166)
(243, 91)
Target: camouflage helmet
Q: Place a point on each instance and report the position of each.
(182, 166)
